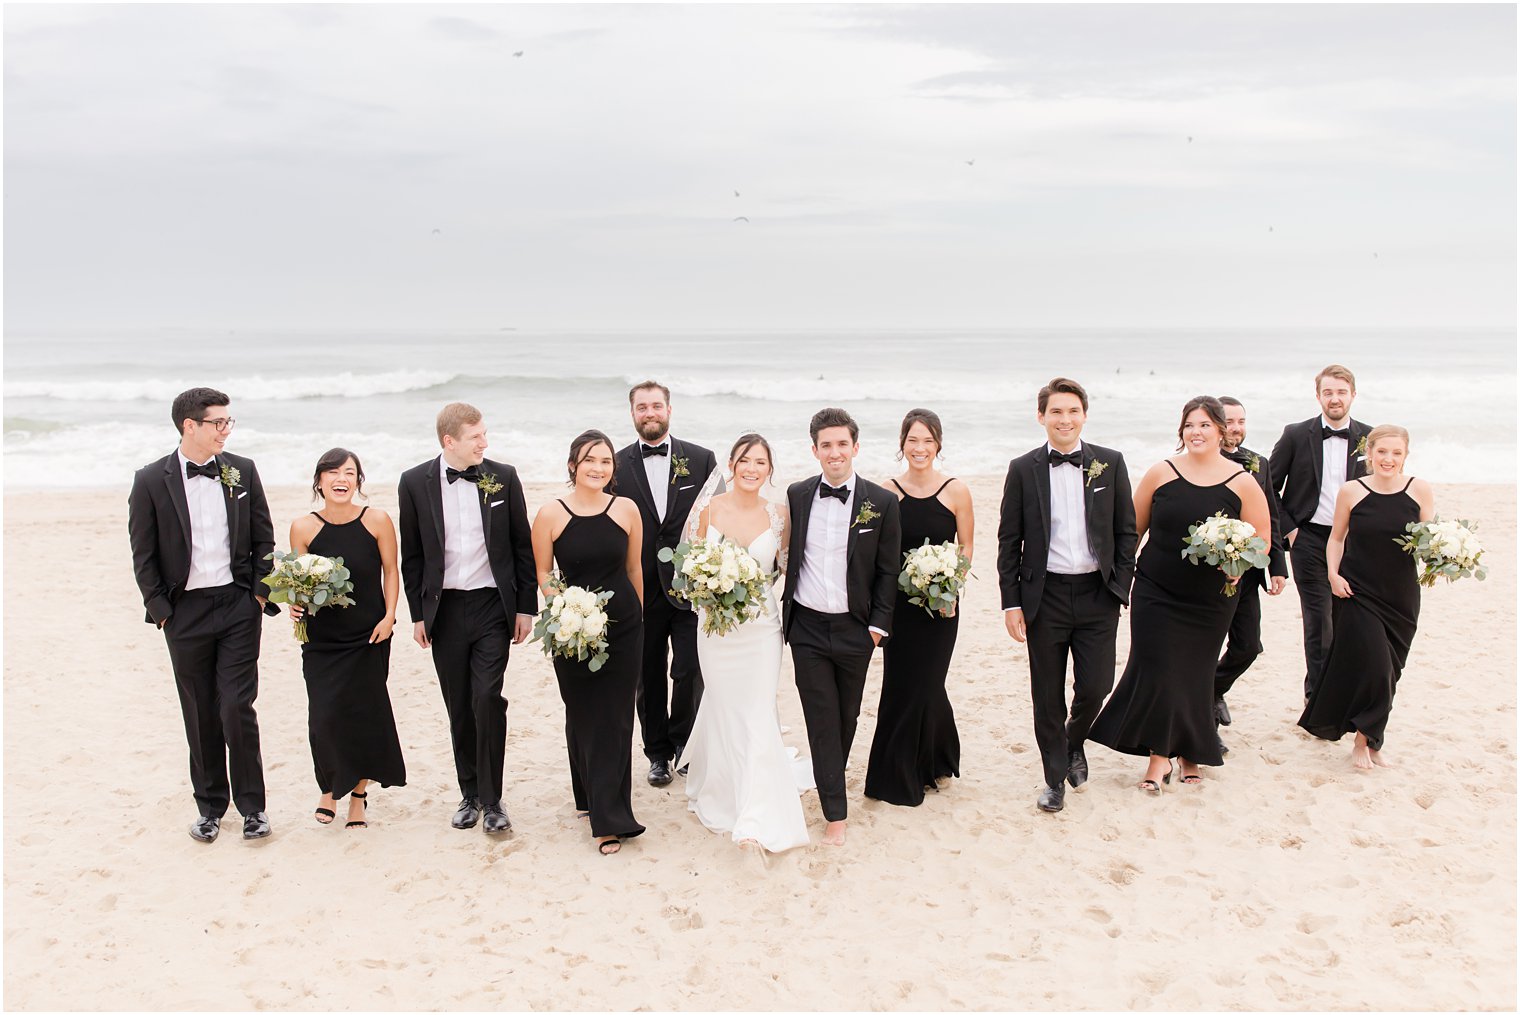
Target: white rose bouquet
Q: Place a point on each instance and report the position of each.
(310, 581)
(933, 576)
(720, 579)
(1230, 544)
(1447, 550)
(574, 626)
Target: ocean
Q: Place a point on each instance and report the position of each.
(100, 403)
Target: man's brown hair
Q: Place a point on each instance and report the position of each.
(454, 417)
(1339, 373)
(1062, 386)
(648, 384)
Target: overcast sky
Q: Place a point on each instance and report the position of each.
(288, 166)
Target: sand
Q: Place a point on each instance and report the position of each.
(1288, 880)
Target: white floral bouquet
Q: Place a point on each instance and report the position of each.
(720, 579)
(1447, 550)
(310, 581)
(1230, 544)
(574, 626)
(933, 576)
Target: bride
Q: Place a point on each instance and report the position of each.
(742, 779)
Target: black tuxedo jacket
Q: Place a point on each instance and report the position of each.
(873, 553)
(1024, 525)
(1278, 554)
(509, 541)
(158, 524)
(1298, 466)
(631, 481)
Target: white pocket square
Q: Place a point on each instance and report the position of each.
(864, 531)
(686, 487)
(1099, 489)
(495, 503)
(242, 495)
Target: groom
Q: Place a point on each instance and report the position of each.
(837, 605)
(1066, 558)
(200, 530)
(666, 475)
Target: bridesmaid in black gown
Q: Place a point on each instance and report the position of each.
(346, 662)
(916, 743)
(1377, 604)
(595, 539)
(1163, 706)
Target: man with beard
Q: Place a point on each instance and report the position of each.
(662, 475)
(1310, 464)
(1244, 643)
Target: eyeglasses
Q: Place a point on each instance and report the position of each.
(222, 423)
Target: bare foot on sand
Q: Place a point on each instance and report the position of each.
(1361, 755)
(833, 833)
(1378, 759)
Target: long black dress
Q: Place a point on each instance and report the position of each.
(592, 552)
(1179, 616)
(1371, 631)
(916, 741)
(349, 719)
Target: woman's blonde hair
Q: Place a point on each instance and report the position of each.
(1387, 430)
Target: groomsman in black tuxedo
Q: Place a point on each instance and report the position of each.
(200, 530)
(663, 475)
(1310, 464)
(845, 554)
(1066, 559)
(471, 588)
(1244, 643)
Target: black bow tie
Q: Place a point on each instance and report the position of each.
(839, 493)
(659, 449)
(1056, 458)
(470, 475)
(1325, 433)
(209, 470)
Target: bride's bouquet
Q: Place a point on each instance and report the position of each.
(1447, 550)
(721, 579)
(574, 626)
(310, 581)
(933, 576)
(1230, 544)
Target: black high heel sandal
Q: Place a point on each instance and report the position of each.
(359, 824)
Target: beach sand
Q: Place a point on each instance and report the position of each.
(1288, 880)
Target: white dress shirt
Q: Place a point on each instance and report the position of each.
(210, 541)
(823, 581)
(1070, 552)
(466, 565)
(657, 468)
(1332, 474)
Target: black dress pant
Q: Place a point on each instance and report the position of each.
(665, 732)
(1312, 576)
(830, 653)
(472, 636)
(1243, 644)
(213, 639)
(1077, 617)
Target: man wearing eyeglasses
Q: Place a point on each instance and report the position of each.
(200, 531)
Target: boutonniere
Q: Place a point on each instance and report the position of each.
(488, 485)
(678, 469)
(230, 479)
(1361, 447)
(1095, 470)
(1254, 465)
(866, 515)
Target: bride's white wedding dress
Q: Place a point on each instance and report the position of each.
(742, 779)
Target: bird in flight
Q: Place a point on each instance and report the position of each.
(741, 218)
(1190, 139)
(518, 53)
(971, 162)
(437, 232)
(736, 193)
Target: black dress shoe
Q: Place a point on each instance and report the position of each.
(1076, 768)
(497, 820)
(468, 813)
(256, 825)
(1221, 712)
(1052, 798)
(659, 774)
(206, 829)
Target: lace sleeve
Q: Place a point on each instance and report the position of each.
(778, 527)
